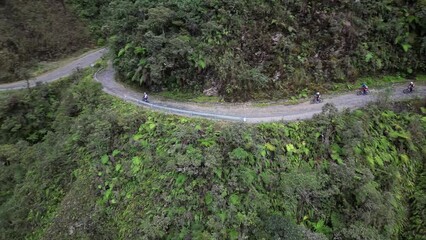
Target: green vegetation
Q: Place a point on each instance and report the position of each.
(262, 49)
(243, 50)
(36, 30)
(187, 97)
(78, 164)
(421, 78)
(94, 13)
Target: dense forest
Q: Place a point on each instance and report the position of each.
(36, 30)
(260, 49)
(78, 164)
(238, 49)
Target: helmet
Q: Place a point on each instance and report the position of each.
(411, 83)
(318, 93)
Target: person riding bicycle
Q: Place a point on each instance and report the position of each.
(145, 97)
(411, 86)
(364, 88)
(317, 97)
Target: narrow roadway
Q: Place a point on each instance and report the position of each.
(82, 62)
(246, 112)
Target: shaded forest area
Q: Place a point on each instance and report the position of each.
(36, 30)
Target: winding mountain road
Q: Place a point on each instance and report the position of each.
(244, 112)
(83, 61)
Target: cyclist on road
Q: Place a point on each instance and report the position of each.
(411, 86)
(318, 97)
(145, 97)
(364, 88)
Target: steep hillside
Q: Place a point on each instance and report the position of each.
(36, 30)
(263, 49)
(77, 164)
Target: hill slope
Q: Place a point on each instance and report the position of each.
(77, 164)
(263, 49)
(36, 30)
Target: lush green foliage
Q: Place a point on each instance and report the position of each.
(93, 11)
(249, 49)
(36, 30)
(243, 49)
(416, 229)
(77, 164)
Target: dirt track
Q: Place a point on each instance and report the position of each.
(64, 71)
(246, 112)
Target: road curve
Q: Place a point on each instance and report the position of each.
(244, 112)
(64, 71)
(248, 112)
